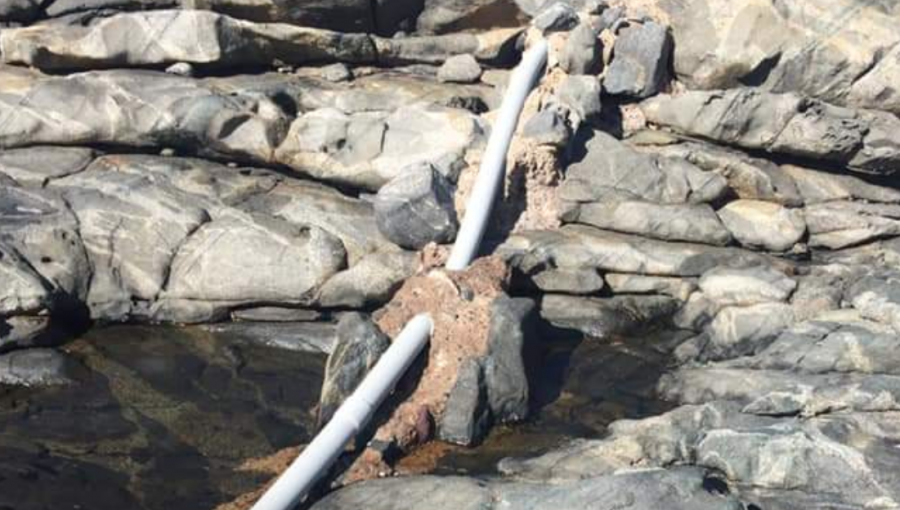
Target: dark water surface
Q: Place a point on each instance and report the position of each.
(161, 418)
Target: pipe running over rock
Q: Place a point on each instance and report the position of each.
(315, 460)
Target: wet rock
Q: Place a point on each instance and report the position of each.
(308, 337)
(274, 314)
(676, 489)
(782, 123)
(163, 38)
(35, 166)
(549, 126)
(583, 52)
(370, 281)
(738, 331)
(416, 208)
(557, 17)
(581, 94)
(749, 286)
(837, 225)
(358, 346)
(460, 69)
(504, 366)
(34, 367)
(466, 416)
(606, 317)
(640, 63)
(757, 224)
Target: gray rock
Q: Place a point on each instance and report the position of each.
(441, 16)
(757, 224)
(368, 149)
(581, 247)
(677, 489)
(612, 171)
(549, 126)
(460, 69)
(26, 331)
(837, 225)
(581, 94)
(311, 337)
(849, 67)
(416, 208)
(606, 317)
(679, 288)
(372, 280)
(569, 281)
(877, 297)
(336, 72)
(817, 187)
(23, 11)
(166, 37)
(254, 259)
(816, 294)
(785, 124)
(641, 59)
(749, 178)
(153, 108)
(35, 166)
(359, 345)
(495, 47)
(181, 69)
(583, 52)
(35, 368)
(738, 331)
(274, 314)
(466, 415)
(696, 223)
(504, 367)
(748, 286)
(24, 291)
(557, 17)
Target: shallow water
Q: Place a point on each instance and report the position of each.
(164, 417)
(160, 418)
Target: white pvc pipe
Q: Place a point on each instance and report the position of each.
(493, 162)
(293, 485)
(349, 419)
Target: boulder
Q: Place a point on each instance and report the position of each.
(581, 94)
(549, 126)
(738, 331)
(358, 347)
(24, 291)
(416, 208)
(466, 415)
(840, 224)
(748, 286)
(441, 16)
(36, 166)
(679, 288)
(877, 297)
(505, 377)
(583, 52)
(558, 17)
(817, 187)
(460, 69)
(641, 59)
(371, 280)
(783, 124)
(696, 223)
(569, 281)
(757, 224)
(606, 317)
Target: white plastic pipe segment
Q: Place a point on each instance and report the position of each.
(349, 419)
(493, 163)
